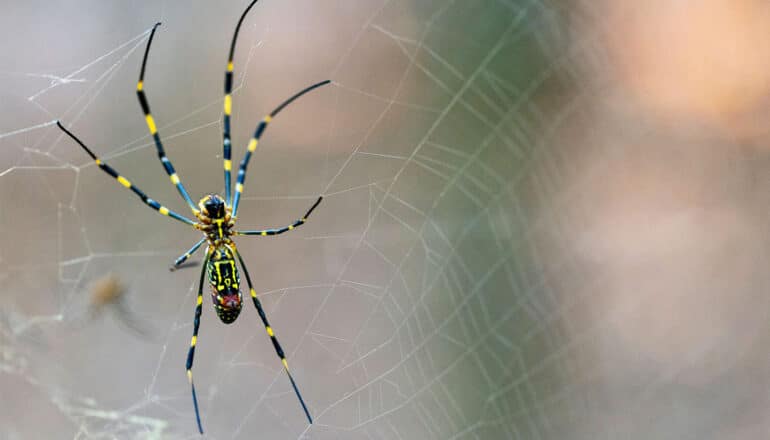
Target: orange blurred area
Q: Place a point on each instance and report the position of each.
(705, 60)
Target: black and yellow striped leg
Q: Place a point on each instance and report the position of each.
(182, 258)
(255, 140)
(154, 129)
(194, 340)
(273, 339)
(123, 181)
(277, 231)
(227, 153)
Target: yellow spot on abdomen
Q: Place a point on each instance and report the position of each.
(175, 179)
(253, 293)
(230, 66)
(140, 86)
(193, 341)
(163, 210)
(268, 118)
(269, 331)
(252, 145)
(285, 364)
(123, 181)
(228, 164)
(200, 300)
(239, 187)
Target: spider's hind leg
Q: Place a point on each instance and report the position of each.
(278, 349)
(191, 353)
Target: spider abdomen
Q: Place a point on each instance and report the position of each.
(225, 284)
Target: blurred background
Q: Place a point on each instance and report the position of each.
(542, 219)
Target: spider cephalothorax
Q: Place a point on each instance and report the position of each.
(216, 217)
(212, 206)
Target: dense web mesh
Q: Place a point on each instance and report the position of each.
(470, 274)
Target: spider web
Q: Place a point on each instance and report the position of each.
(462, 278)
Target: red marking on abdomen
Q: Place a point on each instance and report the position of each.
(231, 301)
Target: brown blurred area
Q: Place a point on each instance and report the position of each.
(673, 217)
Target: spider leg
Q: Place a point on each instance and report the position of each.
(276, 231)
(154, 130)
(255, 139)
(229, 105)
(273, 339)
(182, 258)
(126, 183)
(194, 340)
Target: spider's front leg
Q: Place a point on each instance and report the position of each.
(153, 129)
(255, 140)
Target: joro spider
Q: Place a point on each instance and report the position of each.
(216, 218)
